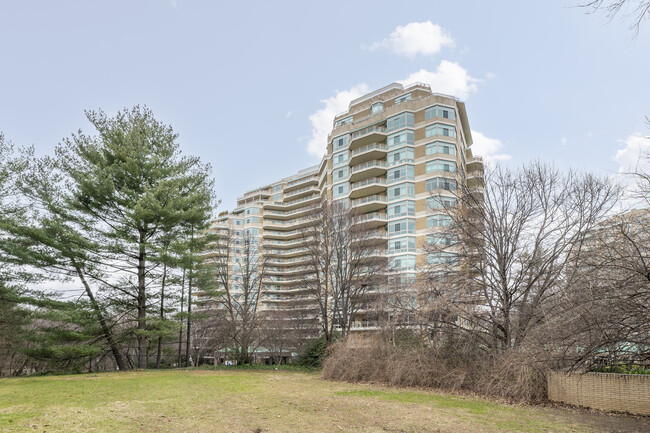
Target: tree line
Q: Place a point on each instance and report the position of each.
(118, 213)
(530, 269)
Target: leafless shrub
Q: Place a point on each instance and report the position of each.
(460, 367)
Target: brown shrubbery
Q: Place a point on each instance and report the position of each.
(513, 375)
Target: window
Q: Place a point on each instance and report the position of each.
(402, 98)
(277, 197)
(402, 226)
(440, 147)
(442, 239)
(441, 183)
(341, 204)
(437, 111)
(344, 121)
(340, 158)
(399, 192)
(440, 165)
(438, 129)
(377, 107)
(440, 202)
(341, 142)
(252, 220)
(341, 173)
(399, 121)
(237, 222)
(252, 231)
(402, 208)
(340, 189)
(253, 211)
(406, 262)
(401, 245)
(401, 139)
(400, 156)
(406, 172)
(442, 257)
(277, 188)
(439, 221)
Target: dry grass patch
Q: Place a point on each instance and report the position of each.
(247, 401)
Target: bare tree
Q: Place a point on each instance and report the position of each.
(640, 10)
(606, 309)
(239, 268)
(285, 332)
(606, 304)
(507, 252)
(346, 267)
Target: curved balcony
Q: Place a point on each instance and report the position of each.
(373, 168)
(270, 225)
(279, 270)
(373, 219)
(370, 186)
(293, 204)
(275, 243)
(302, 192)
(368, 152)
(370, 134)
(369, 203)
(285, 214)
(289, 280)
(294, 184)
(289, 253)
(279, 260)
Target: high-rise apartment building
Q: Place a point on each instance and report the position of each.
(396, 156)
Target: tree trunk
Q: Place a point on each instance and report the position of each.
(142, 304)
(117, 353)
(180, 331)
(188, 340)
(162, 314)
(189, 302)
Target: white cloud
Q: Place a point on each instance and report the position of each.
(289, 114)
(322, 119)
(423, 38)
(488, 148)
(635, 155)
(449, 77)
(563, 141)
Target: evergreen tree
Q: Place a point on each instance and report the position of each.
(131, 187)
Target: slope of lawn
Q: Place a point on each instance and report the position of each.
(265, 401)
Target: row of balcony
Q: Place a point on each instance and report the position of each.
(302, 191)
(285, 244)
(289, 213)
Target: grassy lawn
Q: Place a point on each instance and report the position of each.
(265, 401)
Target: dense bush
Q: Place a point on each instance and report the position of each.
(621, 369)
(459, 367)
(313, 354)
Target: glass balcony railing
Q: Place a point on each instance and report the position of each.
(368, 182)
(369, 199)
(373, 216)
(369, 164)
(369, 147)
(369, 130)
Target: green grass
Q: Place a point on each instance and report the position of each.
(256, 399)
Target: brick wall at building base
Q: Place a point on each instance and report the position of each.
(604, 391)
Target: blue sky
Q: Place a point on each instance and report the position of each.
(251, 86)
